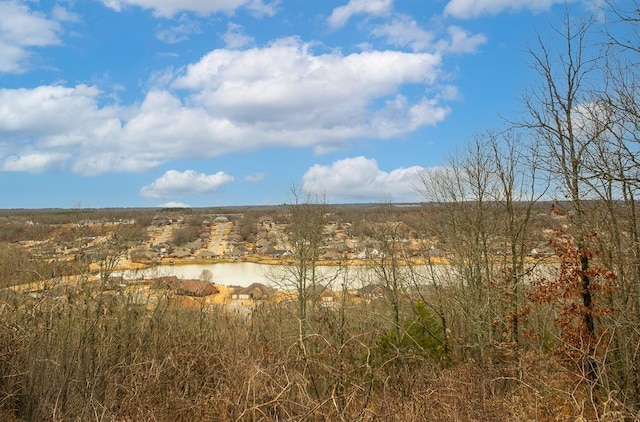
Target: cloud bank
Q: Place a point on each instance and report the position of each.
(360, 178)
(189, 182)
(279, 95)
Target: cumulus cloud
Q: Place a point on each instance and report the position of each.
(341, 15)
(259, 8)
(169, 8)
(58, 114)
(360, 178)
(189, 182)
(174, 204)
(296, 97)
(404, 31)
(279, 95)
(460, 41)
(467, 9)
(235, 37)
(22, 29)
(34, 162)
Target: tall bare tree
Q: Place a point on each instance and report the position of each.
(558, 110)
(520, 187)
(465, 194)
(303, 237)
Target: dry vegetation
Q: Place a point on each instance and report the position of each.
(105, 356)
(498, 333)
(88, 351)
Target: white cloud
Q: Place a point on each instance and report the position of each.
(399, 117)
(467, 9)
(174, 204)
(404, 31)
(58, 122)
(169, 8)
(113, 4)
(54, 112)
(281, 95)
(259, 8)
(90, 163)
(189, 182)
(61, 14)
(21, 29)
(235, 37)
(297, 98)
(178, 33)
(460, 41)
(340, 15)
(34, 162)
(360, 178)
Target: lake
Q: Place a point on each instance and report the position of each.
(245, 273)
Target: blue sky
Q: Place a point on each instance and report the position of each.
(142, 103)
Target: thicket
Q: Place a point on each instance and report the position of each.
(503, 332)
(105, 355)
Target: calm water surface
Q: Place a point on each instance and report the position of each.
(246, 273)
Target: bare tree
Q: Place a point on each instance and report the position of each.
(303, 240)
(465, 193)
(520, 186)
(558, 116)
(110, 251)
(388, 261)
(614, 175)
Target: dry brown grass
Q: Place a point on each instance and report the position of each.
(104, 356)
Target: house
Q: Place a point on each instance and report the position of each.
(180, 252)
(162, 248)
(143, 255)
(166, 282)
(337, 245)
(331, 255)
(278, 253)
(241, 250)
(322, 295)
(371, 291)
(195, 245)
(206, 255)
(198, 288)
(326, 299)
(265, 247)
(255, 291)
(234, 237)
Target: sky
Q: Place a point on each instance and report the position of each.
(201, 103)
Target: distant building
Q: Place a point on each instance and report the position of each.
(197, 288)
(166, 282)
(256, 291)
(371, 291)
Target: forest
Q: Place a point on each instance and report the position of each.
(488, 337)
